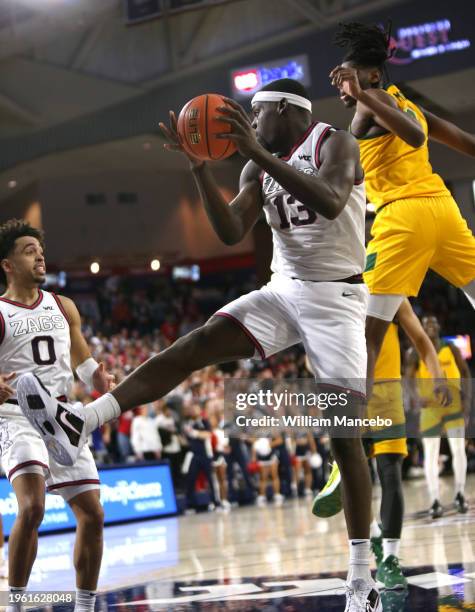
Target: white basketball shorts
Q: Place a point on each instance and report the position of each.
(327, 317)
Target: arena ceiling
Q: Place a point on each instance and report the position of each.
(61, 60)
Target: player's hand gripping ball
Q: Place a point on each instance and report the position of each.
(197, 129)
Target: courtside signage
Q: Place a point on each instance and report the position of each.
(127, 493)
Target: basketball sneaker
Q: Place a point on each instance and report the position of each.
(394, 601)
(460, 504)
(62, 430)
(328, 502)
(390, 574)
(362, 596)
(436, 510)
(261, 501)
(377, 549)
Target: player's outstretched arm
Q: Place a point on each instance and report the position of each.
(449, 134)
(466, 377)
(425, 349)
(380, 106)
(88, 370)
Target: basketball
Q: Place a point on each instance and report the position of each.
(197, 128)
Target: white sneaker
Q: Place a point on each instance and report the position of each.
(3, 568)
(226, 505)
(278, 499)
(261, 501)
(362, 596)
(62, 430)
(308, 493)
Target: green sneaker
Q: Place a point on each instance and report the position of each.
(394, 601)
(328, 502)
(377, 548)
(390, 574)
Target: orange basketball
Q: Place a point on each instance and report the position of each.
(197, 128)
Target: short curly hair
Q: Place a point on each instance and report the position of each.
(10, 231)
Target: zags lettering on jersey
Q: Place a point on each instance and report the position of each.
(271, 186)
(30, 325)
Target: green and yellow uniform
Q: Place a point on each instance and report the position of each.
(418, 224)
(435, 419)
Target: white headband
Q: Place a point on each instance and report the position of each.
(276, 96)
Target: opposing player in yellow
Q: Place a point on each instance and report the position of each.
(418, 224)
(437, 419)
(388, 444)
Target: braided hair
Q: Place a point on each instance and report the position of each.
(367, 46)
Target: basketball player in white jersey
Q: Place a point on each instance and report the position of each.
(307, 179)
(40, 332)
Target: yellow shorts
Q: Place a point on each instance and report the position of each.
(435, 420)
(412, 235)
(390, 447)
(386, 403)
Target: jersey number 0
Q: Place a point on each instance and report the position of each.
(43, 350)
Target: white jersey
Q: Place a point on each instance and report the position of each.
(36, 339)
(306, 245)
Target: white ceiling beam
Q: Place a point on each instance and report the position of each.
(88, 42)
(206, 26)
(16, 109)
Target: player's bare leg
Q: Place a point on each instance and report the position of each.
(23, 543)
(218, 341)
(356, 485)
(88, 547)
(375, 331)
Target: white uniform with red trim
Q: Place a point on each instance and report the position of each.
(308, 246)
(313, 296)
(36, 339)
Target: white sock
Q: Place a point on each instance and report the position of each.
(374, 529)
(85, 600)
(431, 466)
(95, 414)
(359, 561)
(390, 547)
(16, 607)
(456, 438)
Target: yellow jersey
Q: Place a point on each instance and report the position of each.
(448, 365)
(393, 169)
(388, 364)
